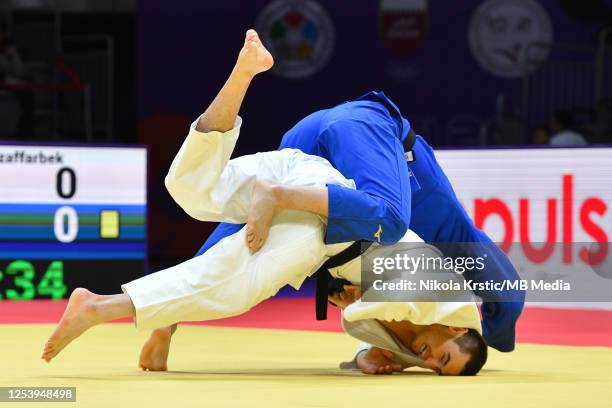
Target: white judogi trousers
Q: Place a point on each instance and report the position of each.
(227, 280)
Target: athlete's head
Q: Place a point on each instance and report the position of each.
(451, 350)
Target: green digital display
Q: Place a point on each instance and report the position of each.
(56, 278)
(21, 281)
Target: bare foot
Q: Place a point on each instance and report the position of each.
(254, 57)
(264, 206)
(79, 316)
(154, 353)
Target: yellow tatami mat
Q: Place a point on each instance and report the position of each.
(258, 368)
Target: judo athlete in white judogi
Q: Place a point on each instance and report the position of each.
(228, 279)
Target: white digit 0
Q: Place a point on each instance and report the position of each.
(66, 234)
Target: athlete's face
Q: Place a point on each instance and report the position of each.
(436, 346)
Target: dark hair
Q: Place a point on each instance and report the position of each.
(563, 118)
(473, 344)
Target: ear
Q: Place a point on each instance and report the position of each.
(458, 331)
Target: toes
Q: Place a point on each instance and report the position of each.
(251, 46)
(252, 35)
(248, 36)
(48, 352)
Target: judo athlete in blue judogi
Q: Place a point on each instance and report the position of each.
(363, 140)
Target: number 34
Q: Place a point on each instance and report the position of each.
(23, 273)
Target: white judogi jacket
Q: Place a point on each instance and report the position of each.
(228, 280)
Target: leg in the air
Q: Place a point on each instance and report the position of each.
(85, 310)
(253, 59)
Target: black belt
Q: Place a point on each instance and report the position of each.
(324, 279)
(325, 283)
(408, 146)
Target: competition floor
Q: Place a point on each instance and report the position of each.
(292, 363)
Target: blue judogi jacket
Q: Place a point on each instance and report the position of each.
(363, 140)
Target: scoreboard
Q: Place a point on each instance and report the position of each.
(71, 216)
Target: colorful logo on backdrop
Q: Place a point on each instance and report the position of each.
(299, 33)
(509, 38)
(403, 25)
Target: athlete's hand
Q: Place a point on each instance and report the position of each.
(377, 361)
(349, 295)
